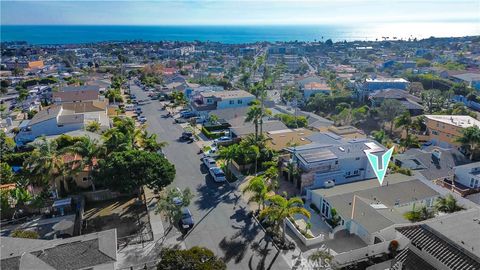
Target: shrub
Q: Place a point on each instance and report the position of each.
(25, 234)
(212, 135)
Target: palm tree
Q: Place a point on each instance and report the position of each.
(280, 209)
(404, 121)
(254, 115)
(470, 136)
(448, 204)
(259, 190)
(46, 161)
(321, 258)
(148, 142)
(93, 126)
(228, 154)
(90, 152)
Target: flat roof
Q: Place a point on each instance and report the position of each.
(456, 120)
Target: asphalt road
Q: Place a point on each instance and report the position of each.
(220, 214)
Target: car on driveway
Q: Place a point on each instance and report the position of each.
(187, 114)
(217, 174)
(186, 222)
(223, 139)
(209, 162)
(142, 119)
(212, 152)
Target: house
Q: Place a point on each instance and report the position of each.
(331, 160)
(77, 94)
(466, 178)
(385, 83)
(280, 139)
(410, 102)
(432, 162)
(240, 129)
(470, 79)
(96, 251)
(371, 211)
(81, 178)
(313, 88)
(59, 119)
(447, 242)
(214, 100)
(444, 129)
(346, 132)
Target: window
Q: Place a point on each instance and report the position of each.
(471, 182)
(357, 158)
(336, 162)
(84, 179)
(239, 101)
(355, 172)
(434, 132)
(232, 102)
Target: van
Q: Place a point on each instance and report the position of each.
(129, 107)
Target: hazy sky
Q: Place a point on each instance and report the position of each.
(239, 12)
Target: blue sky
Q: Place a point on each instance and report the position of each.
(239, 12)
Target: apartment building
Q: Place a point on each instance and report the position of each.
(444, 129)
(331, 160)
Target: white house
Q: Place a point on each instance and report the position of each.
(59, 119)
(214, 100)
(468, 175)
(330, 160)
(371, 211)
(386, 83)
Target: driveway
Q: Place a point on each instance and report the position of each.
(222, 224)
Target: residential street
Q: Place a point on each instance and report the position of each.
(221, 221)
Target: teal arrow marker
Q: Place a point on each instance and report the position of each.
(380, 172)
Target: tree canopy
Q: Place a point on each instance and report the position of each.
(128, 170)
(196, 258)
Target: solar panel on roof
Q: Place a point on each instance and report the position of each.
(318, 156)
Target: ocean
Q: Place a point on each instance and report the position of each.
(63, 34)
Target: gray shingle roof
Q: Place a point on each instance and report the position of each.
(429, 166)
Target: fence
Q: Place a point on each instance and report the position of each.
(306, 241)
(361, 254)
(100, 195)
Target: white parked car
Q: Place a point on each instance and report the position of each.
(212, 152)
(222, 139)
(142, 119)
(209, 162)
(217, 174)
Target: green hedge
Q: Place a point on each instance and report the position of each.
(212, 135)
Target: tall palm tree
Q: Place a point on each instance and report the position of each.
(254, 115)
(470, 136)
(259, 189)
(90, 152)
(280, 209)
(448, 204)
